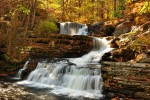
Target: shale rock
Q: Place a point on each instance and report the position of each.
(56, 46)
(128, 79)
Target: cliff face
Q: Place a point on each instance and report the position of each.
(127, 80)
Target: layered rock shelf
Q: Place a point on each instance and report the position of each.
(128, 79)
(57, 46)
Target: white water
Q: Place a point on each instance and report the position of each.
(83, 31)
(19, 74)
(101, 46)
(82, 79)
(73, 28)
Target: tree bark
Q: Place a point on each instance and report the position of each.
(63, 10)
(33, 14)
(114, 7)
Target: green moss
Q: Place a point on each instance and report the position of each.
(47, 27)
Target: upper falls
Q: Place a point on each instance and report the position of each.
(73, 28)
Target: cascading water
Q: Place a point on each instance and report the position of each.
(74, 77)
(83, 31)
(100, 47)
(19, 74)
(73, 28)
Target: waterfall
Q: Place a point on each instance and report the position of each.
(74, 77)
(83, 31)
(100, 47)
(19, 74)
(73, 28)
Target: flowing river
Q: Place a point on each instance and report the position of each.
(72, 78)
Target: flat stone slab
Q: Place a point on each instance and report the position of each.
(127, 64)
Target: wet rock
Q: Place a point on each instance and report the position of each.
(108, 30)
(95, 28)
(107, 57)
(111, 95)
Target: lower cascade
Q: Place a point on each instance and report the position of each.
(74, 77)
(19, 74)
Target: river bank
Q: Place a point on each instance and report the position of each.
(10, 91)
(122, 80)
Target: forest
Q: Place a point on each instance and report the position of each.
(19, 17)
(31, 31)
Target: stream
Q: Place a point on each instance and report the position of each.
(9, 90)
(69, 79)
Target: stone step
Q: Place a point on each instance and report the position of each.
(122, 64)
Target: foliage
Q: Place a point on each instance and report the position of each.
(23, 9)
(146, 8)
(52, 7)
(47, 27)
(117, 15)
(140, 44)
(24, 15)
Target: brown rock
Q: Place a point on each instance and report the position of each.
(122, 55)
(57, 46)
(143, 58)
(142, 95)
(115, 43)
(123, 28)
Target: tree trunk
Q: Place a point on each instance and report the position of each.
(14, 26)
(102, 11)
(114, 7)
(79, 14)
(28, 18)
(63, 10)
(33, 14)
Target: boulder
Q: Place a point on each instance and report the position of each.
(124, 27)
(99, 29)
(95, 28)
(108, 30)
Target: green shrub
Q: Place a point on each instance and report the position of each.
(146, 8)
(47, 27)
